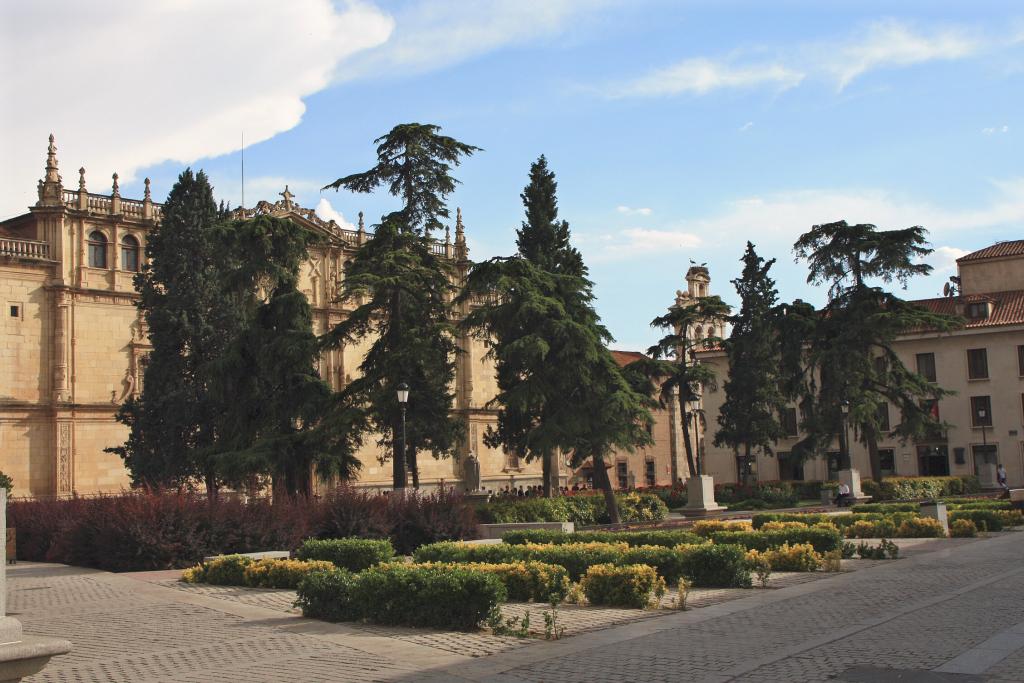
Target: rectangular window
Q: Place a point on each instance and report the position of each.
(649, 474)
(789, 422)
(833, 460)
(15, 312)
(790, 469)
(981, 411)
(931, 406)
(511, 460)
(926, 366)
(977, 363)
(622, 474)
(887, 461)
(1020, 361)
(883, 417)
(933, 461)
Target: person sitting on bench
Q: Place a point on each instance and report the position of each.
(843, 496)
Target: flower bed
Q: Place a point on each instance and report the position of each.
(667, 538)
(822, 539)
(787, 558)
(581, 509)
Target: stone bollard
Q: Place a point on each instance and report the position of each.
(936, 510)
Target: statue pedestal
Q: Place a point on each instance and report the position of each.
(852, 479)
(937, 511)
(700, 496)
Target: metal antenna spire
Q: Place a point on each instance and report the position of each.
(243, 169)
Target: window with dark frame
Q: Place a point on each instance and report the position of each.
(977, 363)
(981, 411)
(887, 461)
(129, 254)
(789, 422)
(97, 249)
(1020, 360)
(883, 418)
(926, 366)
(15, 312)
(933, 461)
(622, 474)
(649, 473)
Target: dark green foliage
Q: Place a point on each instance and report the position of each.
(580, 509)
(665, 538)
(716, 566)
(823, 540)
(6, 482)
(848, 354)
(989, 520)
(454, 598)
(683, 374)
(559, 389)
(190, 323)
(353, 554)
(621, 586)
(448, 551)
(671, 563)
(749, 417)
(402, 293)
(920, 488)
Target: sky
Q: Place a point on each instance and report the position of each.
(677, 130)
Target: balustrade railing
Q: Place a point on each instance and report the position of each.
(30, 249)
(97, 203)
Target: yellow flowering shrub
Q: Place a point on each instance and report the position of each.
(270, 573)
(779, 526)
(800, 557)
(708, 527)
(962, 528)
(524, 581)
(631, 585)
(920, 527)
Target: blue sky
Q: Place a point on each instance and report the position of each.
(677, 130)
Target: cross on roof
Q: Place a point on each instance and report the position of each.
(287, 197)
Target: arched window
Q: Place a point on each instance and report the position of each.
(97, 249)
(129, 253)
(698, 333)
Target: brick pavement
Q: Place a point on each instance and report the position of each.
(948, 598)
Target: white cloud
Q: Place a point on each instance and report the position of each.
(746, 126)
(890, 43)
(943, 259)
(438, 33)
(329, 213)
(124, 84)
(629, 211)
(699, 76)
(879, 45)
(633, 242)
(995, 129)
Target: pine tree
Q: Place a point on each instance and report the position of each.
(266, 382)
(406, 291)
(559, 389)
(850, 360)
(172, 422)
(749, 418)
(682, 378)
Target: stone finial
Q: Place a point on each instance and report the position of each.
(116, 187)
(447, 234)
(460, 230)
(361, 227)
(81, 179)
(51, 162)
(147, 197)
(288, 196)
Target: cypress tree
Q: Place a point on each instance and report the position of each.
(749, 418)
(403, 293)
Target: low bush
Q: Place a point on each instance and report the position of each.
(353, 554)
(965, 504)
(787, 558)
(582, 509)
(839, 521)
(917, 488)
(920, 527)
(577, 558)
(778, 526)
(238, 570)
(632, 585)
(885, 508)
(867, 528)
(823, 540)
(989, 520)
(448, 597)
(525, 581)
(716, 566)
(980, 504)
(754, 504)
(665, 537)
(962, 528)
(886, 550)
(706, 528)
(672, 496)
(773, 493)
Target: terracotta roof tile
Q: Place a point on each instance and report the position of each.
(624, 358)
(1007, 309)
(998, 250)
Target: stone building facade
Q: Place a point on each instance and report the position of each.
(982, 363)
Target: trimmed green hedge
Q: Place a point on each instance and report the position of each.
(716, 566)
(915, 488)
(823, 540)
(667, 538)
(969, 504)
(583, 509)
(525, 581)
(448, 597)
(989, 520)
(841, 521)
(353, 554)
(633, 585)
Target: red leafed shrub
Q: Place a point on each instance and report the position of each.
(142, 531)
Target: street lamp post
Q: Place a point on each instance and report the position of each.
(847, 463)
(400, 472)
(694, 404)
(982, 414)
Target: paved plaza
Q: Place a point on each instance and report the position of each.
(949, 611)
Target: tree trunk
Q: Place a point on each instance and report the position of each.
(686, 439)
(549, 468)
(413, 466)
(845, 457)
(211, 484)
(605, 484)
(398, 455)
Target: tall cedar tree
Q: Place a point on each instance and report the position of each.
(849, 355)
(559, 389)
(749, 418)
(403, 293)
(172, 422)
(683, 378)
(267, 382)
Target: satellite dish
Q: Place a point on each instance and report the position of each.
(945, 289)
